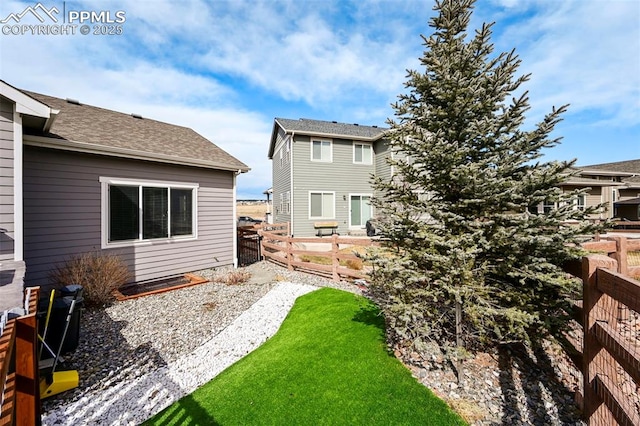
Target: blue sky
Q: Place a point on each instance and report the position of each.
(227, 68)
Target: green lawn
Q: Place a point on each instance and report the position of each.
(327, 365)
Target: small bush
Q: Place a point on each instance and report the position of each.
(355, 264)
(98, 273)
(234, 278)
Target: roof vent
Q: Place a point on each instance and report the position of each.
(73, 101)
(136, 116)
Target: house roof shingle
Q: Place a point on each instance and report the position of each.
(629, 166)
(329, 129)
(115, 132)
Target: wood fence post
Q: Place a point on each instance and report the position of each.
(27, 377)
(289, 246)
(621, 256)
(593, 405)
(334, 257)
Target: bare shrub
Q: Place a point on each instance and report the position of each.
(98, 273)
(233, 278)
(355, 264)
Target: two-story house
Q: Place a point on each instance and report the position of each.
(619, 187)
(616, 185)
(322, 174)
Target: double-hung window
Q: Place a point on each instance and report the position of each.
(321, 150)
(362, 153)
(139, 211)
(321, 205)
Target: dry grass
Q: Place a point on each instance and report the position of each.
(256, 211)
(233, 278)
(98, 273)
(633, 257)
(469, 410)
(355, 264)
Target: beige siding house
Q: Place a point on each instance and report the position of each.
(322, 174)
(615, 185)
(78, 178)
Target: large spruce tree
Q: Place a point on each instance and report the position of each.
(468, 259)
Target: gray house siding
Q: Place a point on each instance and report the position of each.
(281, 178)
(340, 176)
(382, 155)
(62, 208)
(7, 226)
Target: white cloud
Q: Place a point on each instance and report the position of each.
(199, 63)
(586, 53)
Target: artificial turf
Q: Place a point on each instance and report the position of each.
(327, 365)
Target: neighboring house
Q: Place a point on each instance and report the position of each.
(616, 185)
(322, 174)
(624, 199)
(77, 178)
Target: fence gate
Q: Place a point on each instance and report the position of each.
(248, 246)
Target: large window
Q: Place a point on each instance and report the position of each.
(135, 211)
(321, 205)
(362, 153)
(321, 150)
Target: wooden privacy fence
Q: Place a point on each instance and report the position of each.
(605, 346)
(285, 251)
(20, 393)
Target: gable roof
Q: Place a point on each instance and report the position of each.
(629, 166)
(328, 129)
(627, 171)
(85, 128)
(25, 104)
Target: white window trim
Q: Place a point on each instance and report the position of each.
(358, 194)
(370, 151)
(104, 211)
(312, 140)
(333, 214)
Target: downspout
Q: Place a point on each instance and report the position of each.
(291, 197)
(234, 236)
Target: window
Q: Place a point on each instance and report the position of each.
(285, 202)
(321, 151)
(581, 202)
(321, 205)
(362, 153)
(548, 206)
(133, 211)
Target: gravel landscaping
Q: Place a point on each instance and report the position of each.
(136, 357)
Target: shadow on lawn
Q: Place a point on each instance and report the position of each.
(370, 315)
(540, 380)
(188, 412)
